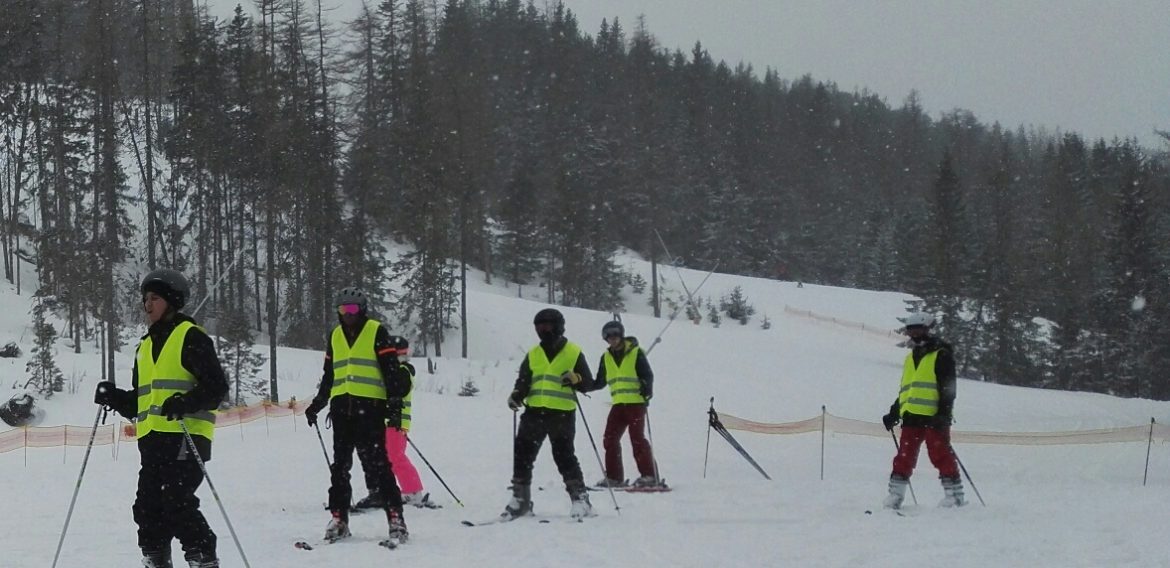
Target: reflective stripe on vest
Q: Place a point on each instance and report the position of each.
(919, 394)
(158, 380)
(355, 368)
(406, 405)
(624, 386)
(547, 390)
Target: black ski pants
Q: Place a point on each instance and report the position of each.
(166, 507)
(368, 436)
(560, 427)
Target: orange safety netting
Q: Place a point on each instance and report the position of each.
(55, 436)
(839, 425)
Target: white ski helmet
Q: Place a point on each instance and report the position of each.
(918, 318)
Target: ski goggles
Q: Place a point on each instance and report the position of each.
(349, 309)
(545, 326)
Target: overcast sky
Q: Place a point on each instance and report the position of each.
(1098, 67)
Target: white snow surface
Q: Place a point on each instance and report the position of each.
(1058, 506)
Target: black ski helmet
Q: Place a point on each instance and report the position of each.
(613, 328)
(549, 315)
(169, 284)
(353, 295)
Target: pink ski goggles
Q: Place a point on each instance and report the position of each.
(349, 309)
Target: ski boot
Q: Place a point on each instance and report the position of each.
(370, 502)
(521, 503)
(953, 492)
(398, 532)
(581, 506)
(611, 483)
(201, 560)
(156, 558)
(647, 481)
(338, 527)
(898, 485)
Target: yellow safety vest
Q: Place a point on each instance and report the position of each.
(624, 386)
(406, 404)
(158, 380)
(919, 394)
(355, 368)
(547, 390)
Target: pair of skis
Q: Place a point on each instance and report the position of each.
(388, 543)
(506, 518)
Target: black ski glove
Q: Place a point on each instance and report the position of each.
(892, 419)
(174, 407)
(105, 393)
(941, 421)
(515, 402)
(313, 410)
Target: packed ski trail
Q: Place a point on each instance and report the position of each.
(1058, 506)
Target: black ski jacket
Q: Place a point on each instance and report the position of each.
(395, 377)
(200, 359)
(944, 372)
(551, 349)
(641, 367)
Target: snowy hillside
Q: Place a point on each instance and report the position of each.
(1058, 506)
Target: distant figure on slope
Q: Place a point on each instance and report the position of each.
(397, 429)
(924, 407)
(362, 374)
(626, 370)
(177, 379)
(544, 388)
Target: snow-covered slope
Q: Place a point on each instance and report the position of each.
(1046, 506)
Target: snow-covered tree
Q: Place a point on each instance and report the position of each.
(43, 374)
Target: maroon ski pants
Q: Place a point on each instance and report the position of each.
(938, 447)
(621, 417)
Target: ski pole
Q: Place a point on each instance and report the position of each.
(968, 476)
(328, 462)
(722, 430)
(432, 468)
(214, 493)
(595, 452)
(77, 487)
(898, 448)
(653, 454)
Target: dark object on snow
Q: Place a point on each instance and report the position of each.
(10, 350)
(21, 410)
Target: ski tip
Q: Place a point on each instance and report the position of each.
(467, 523)
(302, 545)
(388, 543)
(868, 512)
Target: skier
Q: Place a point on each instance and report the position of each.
(177, 379)
(626, 370)
(924, 407)
(397, 429)
(361, 375)
(545, 387)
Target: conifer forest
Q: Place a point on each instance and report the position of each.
(270, 157)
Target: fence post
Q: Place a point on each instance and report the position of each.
(822, 442)
(1149, 443)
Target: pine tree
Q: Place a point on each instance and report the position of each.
(43, 374)
(241, 363)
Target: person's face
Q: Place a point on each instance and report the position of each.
(154, 306)
(916, 332)
(614, 340)
(350, 314)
